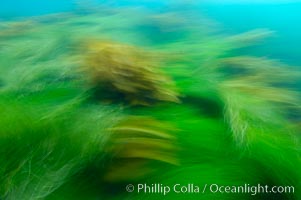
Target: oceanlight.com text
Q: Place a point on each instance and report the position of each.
(189, 188)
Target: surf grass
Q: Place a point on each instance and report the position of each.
(231, 125)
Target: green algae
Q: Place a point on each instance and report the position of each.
(196, 111)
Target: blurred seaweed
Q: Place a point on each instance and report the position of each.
(127, 71)
(74, 125)
(134, 145)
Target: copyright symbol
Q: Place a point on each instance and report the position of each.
(130, 188)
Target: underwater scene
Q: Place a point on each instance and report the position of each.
(149, 99)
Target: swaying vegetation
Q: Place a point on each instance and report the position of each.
(128, 71)
(93, 101)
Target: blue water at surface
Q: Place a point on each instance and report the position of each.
(283, 18)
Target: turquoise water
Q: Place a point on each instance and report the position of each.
(283, 17)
